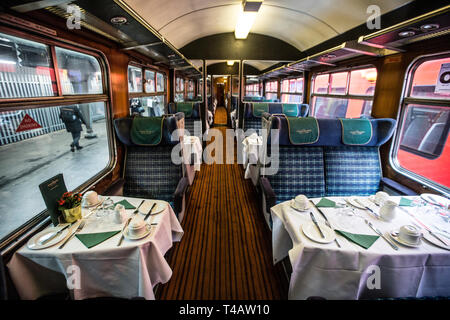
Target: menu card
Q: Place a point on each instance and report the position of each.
(51, 191)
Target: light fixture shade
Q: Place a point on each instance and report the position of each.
(230, 62)
(244, 24)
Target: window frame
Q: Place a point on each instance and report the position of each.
(405, 100)
(347, 87)
(42, 219)
(289, 87)
(141, 94)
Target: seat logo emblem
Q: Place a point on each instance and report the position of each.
(304, 131)
(357, 132)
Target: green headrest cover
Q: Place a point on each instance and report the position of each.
(147, 131)
(303, 130)
(356, 131)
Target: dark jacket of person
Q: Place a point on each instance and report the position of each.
(72, 118)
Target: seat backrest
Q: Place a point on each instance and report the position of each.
(327, 166)
(149, 170)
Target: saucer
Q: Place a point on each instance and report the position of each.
(292, 204)
(394, 235)
(34, 243)
(128, 236)
(100, 200)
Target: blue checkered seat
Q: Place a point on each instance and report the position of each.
(327, 167)
(148, 170)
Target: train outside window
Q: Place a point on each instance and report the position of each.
(292, 90)
(39, 140)
(347, 94)
(272, 90)
(422, 149)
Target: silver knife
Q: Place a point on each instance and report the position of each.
(367, 208)
(326, 222)
(151, 209)
(80, 226)
(317, 225)
(51, 236)
(137, 209)
(380, 234)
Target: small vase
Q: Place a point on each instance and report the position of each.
(71, 215)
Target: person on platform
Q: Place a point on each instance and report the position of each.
(72, 118)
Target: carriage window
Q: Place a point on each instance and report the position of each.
(160, 82)
(35, 145)
(346, 94)
(190, 89)
(25, 69)
(79, 73)
(272, 90)
(179, 88)
(134, 79)
(149, 81)
(252, 90)
(422, 149)
(292, 90)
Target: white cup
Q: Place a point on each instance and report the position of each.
(409, 233)
(90, 198)
(136, 227)
(388, 210)
(381, 197)
(301, 202)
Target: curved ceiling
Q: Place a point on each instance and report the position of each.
(302, 24)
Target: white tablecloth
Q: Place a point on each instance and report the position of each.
(250, 152)
(342, 273)
(131, 270)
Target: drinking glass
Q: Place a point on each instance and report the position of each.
(106, 208)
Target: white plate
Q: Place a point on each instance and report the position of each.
(143, 235)
(147, 205)
(292, 204)
(100, 200)
(310, 230)
(394, 235)
(427, 236)
(356, 204)
(34, 244)
(433, 198)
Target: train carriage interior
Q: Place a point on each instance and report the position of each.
(224, 150)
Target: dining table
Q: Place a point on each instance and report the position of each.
(382, 267)
(116, 267)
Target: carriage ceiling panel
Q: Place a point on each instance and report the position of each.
(302, 24)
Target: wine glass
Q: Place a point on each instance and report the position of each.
(106, 208)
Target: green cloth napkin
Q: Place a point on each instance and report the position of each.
(326, 203)
(126, 204)
(92, 239)
(363, 240)
(405, 202)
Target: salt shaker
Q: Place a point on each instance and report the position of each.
(119, 214)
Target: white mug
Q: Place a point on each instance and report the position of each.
(301, 202)
(409, 234)
(136, 227)
(388, 210)
(381, 197)
(90, 198)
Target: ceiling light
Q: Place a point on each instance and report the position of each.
(247, 16)
(230, 62)
(405, 34)
(119, 20)
(429, 27)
